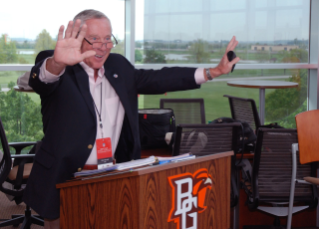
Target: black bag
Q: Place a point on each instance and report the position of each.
(246, 140)
(154, 124)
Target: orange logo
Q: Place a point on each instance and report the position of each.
(188, 197)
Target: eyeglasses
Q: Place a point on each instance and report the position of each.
(110, 44)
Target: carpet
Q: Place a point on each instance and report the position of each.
(8, 208)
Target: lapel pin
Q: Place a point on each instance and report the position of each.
(115, 75)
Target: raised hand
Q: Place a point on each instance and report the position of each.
(224, 66)
(68, 49)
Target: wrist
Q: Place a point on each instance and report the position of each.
(54, 67)
(209, 73)
(215, 72)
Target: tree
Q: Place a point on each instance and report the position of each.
(153, 56)
(21, 116)
(293, 56)
(8, 51)
(119, 48)
(22, 61)
(138, 55)
(199, 51)
(43, 42)
(282, 102)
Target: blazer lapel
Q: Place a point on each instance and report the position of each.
(82, 80)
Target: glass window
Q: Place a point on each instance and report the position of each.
(227, 5)
(25, 31)
(269, 32)
(178, 33)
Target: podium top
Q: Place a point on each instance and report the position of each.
(140, 171)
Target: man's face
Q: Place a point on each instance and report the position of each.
(98, 30)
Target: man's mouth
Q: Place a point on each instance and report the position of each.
(98, 56)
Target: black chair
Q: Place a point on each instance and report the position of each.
(16, 174)
(271, 175)
(208, 139)
(186, 111)
(244, 110)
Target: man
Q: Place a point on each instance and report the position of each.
(88, 94)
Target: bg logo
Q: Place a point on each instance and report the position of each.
(188, 197)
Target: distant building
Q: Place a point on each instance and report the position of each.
(274, 48)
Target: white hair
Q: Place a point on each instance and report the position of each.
(90, 14)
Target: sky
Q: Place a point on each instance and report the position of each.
(249, 20)
(32, 16)
(215, 20)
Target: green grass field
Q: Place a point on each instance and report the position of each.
(215, 104)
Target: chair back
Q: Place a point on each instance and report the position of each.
(272, 168)
(205, 139)
(186, 111)
(308, 133)
(5, 161)
(6, 164)
(244, 110)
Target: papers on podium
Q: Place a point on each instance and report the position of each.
(95, 171)
(136, 163)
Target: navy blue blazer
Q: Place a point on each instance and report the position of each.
(69, 121)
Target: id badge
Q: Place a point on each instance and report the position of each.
(104, 152)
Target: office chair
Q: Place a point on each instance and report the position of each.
(271, 175)
(17, 176)
(201, 139)
(186, 111)
(244, 110)
(308, 147)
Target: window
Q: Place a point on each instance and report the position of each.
(24, 32)
(203, 28)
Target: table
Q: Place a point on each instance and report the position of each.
(262, 85)
(17, 88)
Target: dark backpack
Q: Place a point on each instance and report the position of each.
(246, 140)
(154, 124)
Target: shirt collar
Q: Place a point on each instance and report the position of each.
(90, 71)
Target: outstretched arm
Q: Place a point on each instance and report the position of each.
(68, 48)
(224, 66)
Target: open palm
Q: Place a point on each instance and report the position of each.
(68, 48)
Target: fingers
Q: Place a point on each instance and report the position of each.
(76, 28)
(88, 54)
(72, 30)
(234, 61)
(60, 35)
(82, 32)
(232, 44)
(68, 31)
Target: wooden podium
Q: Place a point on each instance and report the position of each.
(187, 194)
